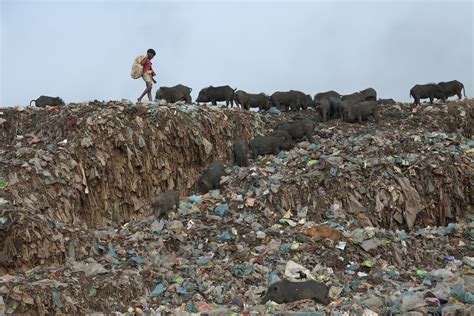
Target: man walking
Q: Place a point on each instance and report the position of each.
(148, 74)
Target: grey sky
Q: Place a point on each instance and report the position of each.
(84, 50)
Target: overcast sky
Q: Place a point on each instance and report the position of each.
(83, 50)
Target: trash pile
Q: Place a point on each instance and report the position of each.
(382, 214)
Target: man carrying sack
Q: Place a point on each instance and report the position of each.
(142, 67)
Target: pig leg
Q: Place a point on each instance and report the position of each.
(376, 117)
(309, 136)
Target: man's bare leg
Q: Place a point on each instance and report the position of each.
(146, 91)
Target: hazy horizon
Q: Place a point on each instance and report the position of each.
(83, 50)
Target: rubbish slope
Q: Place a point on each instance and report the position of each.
(76, 234)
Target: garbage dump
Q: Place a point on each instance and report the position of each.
(380, 214)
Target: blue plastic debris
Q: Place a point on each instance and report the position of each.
(401, 235)
(138, 260)
(283, 154)
(448, 258)
(221, 209)
(242, 270)
(450, 228)
(182, 291)
(314, 146)
(159, 289)
(196, 199)
(273, 110)
(273, 277)
(224, 236)
(204, 260)
(57, 299)
(284, 248)
(153, 109)
(112, 252)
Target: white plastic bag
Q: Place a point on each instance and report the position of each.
(137, 68)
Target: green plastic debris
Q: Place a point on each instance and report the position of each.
(93, 291)
(421, 273)
(295, 245)
(311, 163)
(141, 142)
(178, 280)
(322, 277)
(288, 221)
(277, 226)
(57, 299)
(368, 263)
(3, 184)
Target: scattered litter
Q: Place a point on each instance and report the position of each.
(377, 212)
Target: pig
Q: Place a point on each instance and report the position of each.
(361, 111)
(324, 109)
(284, 101)
(335, 105)
(43, 101)
(348, 101)
(386, 101)
(353, 97)
(238, 95)
(303, 100)
(252, 100)
(425, 91)
(240, 153)
(165, 203)
(174, 94)
(214, 94)
(210, 178)
(298, 129)
(452, 88)
(325, 95)
(285, 291)
(369, 94)
(329, 108)
(261, 145)
(283, 135)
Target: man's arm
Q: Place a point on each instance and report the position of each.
(143, 62)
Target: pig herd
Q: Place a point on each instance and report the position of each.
(330, 104)
(357, 106)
